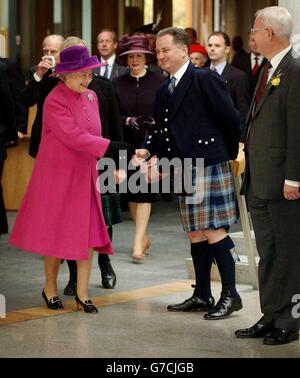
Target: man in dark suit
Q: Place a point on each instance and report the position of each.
(17, 84)
(251, 64)
(40, 85)
(195, 118)
(218, 48)
(107, 44)
(272, 178)
(7, 132)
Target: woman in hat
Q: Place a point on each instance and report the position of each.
(198, 55)
(61, 214)
(136, 92)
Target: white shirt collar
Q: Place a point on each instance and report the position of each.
(220, 67)
(179, 74)
(253, 61)
(278, 58)
(110, 61)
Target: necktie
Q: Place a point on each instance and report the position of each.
(256, 66)
(106, 72)
(263, 83)
(213, 68)
(172, 85)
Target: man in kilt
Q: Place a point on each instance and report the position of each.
(195, 118)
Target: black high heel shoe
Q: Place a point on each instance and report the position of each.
(88, 306)
(53, 303)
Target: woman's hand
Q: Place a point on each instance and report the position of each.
(120, 176)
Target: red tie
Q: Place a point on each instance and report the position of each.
(263, 83)
(256, 67)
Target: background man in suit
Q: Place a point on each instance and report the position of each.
(238, 48)
(195, 118)
(218, 48)
(40, 85)
(272, 178)
(251, 64)
(107, 44)
(7, 132)
(17, 84)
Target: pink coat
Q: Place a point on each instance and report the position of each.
(54, 218)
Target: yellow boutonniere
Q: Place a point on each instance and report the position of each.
(276, 81)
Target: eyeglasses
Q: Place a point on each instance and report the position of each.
(252, 31)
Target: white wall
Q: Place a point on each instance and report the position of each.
(293, 6)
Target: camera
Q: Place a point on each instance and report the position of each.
(51, 59)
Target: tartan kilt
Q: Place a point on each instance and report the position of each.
(111, 208)
(218, 207)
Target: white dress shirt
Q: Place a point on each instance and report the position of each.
(179, 74)
(110, 62)
(219, 67)
(253, 60)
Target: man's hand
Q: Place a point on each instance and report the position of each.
(291, 193)
(140, 157)
(43, 67)
(142, 154)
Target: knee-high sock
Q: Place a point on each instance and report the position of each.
(225, 263)
(73, 270)
(202, 260)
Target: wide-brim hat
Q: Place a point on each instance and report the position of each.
(134, 45)
(75, 59)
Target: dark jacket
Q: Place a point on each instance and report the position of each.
(238, 87)
(198, 121)
(136, 98)
(117, 71)
(7, 112)
(36, 93)
(273, 140)
(244, 63)
(17, 84)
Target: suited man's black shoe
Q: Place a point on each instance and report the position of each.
(281, 336)
(260, 329)
(225, 307)
(71, 288)
(109, 278)
(193, 304)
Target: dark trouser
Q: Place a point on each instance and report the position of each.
(277, 230)
(3, 217)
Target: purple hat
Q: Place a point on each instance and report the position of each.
(75, 59)
(133, 45)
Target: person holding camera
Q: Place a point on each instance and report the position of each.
(136, 93)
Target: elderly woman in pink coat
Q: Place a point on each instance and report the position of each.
(61, 215)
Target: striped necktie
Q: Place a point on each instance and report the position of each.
(106, 72)
(172, 85)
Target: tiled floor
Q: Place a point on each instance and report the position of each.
(132, 320)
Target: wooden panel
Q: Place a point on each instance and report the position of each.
(166, 7)
(104, 16)
(18, 168)
(44, 25)
(72, 18)
(16, 174)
